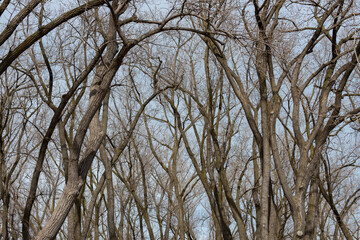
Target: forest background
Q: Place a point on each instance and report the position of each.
(149, 119)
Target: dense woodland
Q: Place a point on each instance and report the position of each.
(180, 119)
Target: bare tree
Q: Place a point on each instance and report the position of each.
(179, 119)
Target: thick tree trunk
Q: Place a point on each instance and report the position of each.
(101, 125)
(42, 152)
(65, 203)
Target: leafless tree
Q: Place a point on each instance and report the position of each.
(216, 119)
